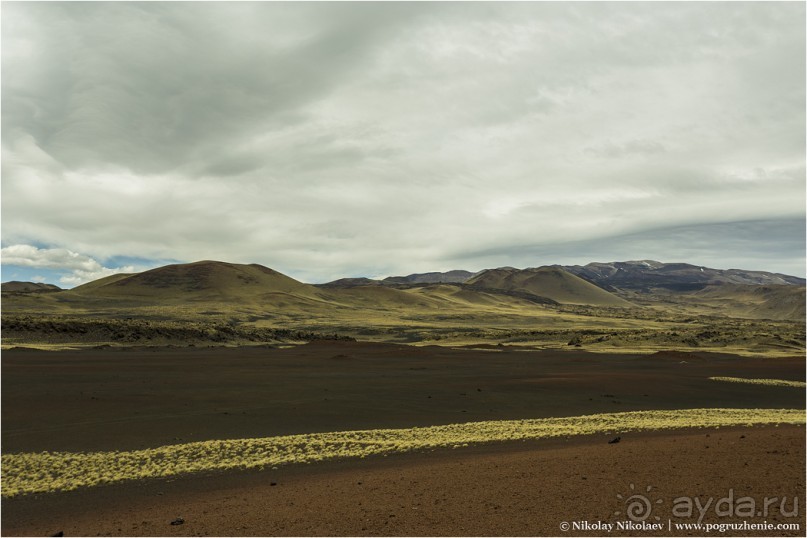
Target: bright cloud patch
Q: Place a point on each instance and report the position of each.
(78, 267)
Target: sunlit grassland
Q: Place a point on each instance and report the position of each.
(608, 330)
(429, 315)
(26, 473)
(769, 382)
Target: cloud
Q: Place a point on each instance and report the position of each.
(79, 268)
(638, 148)
(370, 138)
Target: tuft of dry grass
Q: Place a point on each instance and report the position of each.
(26, 473)
(769, 382)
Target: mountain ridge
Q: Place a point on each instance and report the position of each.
(646, 275)
(634, 275)
(456, 276)
(631, 285)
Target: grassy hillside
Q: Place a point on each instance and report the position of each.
(227, 287)
(28, 287)
(551, 282)
(89, 287)
(205, 280)
(760, 302)
(539, 308)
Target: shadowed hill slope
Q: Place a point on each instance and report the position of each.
(550, 282)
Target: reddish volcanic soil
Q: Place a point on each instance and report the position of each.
(107, 399)
(508, 489)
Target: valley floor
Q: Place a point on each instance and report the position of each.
(127, 399)
(136, 398)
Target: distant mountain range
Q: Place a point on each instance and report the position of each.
(619, 284)
(642, 276)
(647, 275)
(450, 277)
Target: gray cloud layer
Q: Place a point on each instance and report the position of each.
(340, 139)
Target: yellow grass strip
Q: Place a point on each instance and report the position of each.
(54, 471)
(769, 382)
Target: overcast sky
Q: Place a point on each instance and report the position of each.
(327, 140)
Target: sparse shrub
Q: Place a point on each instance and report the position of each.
(25, 473)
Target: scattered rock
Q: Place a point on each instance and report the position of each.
(614, 441)
(60, 533)
(178, 521)
(272, 483)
